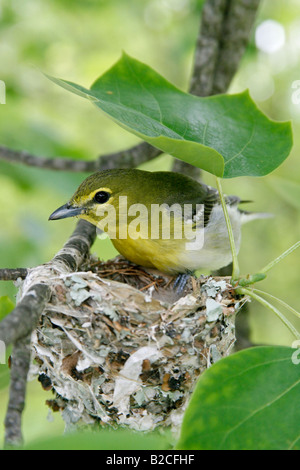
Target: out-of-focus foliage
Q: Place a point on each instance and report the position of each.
(78, 41)
(108, 439)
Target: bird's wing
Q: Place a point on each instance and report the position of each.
(212, 198)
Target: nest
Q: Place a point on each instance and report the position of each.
(118, 346)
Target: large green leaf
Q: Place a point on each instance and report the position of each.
(225, 134)
(250, 400)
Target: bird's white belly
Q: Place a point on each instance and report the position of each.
(215, 251)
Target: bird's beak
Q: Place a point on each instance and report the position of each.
(65, 211)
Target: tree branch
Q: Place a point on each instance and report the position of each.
(124, 159)
(238, 22)
(13, 274)
(17, 327)
(207, 47)
(224, 34)
(17, 391)
(21, 321)
(36, 290)
(223, 37)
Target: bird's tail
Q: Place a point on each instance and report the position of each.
(249, 216)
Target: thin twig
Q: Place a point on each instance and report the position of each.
(265, 303)
(281, 302)
(13, 274)
(279, 258)
(124, 159)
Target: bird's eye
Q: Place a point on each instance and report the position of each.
(101, 197)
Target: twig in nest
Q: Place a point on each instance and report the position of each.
(123, 271)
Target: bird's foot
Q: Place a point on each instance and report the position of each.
(180, 282)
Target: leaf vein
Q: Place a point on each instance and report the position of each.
(258, 410)
(147, 91)
(294, 443)
(244, 147)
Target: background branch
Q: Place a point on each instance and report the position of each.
(129, 158)
(222, 40)
(207, 47)
(224, 34)
(239, 17)
(7, 274)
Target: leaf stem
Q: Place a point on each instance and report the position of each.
(271, 307)
(235, 264)
(281, 302)
(279, 258)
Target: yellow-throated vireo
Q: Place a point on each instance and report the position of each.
(163, 220)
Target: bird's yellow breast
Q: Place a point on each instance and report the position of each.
(163, 255)
(173, 256)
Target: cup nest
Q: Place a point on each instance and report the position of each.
(118, 346)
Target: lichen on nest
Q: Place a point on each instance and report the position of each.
(129, 353)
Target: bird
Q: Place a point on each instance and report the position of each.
(161, 219)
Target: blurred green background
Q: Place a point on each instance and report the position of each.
(78, 40)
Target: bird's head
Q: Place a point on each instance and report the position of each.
(110, 199)
(98, 196)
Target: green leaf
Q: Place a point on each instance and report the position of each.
(249, 400)
(6, 306)
(225, 135)
(120, 439)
